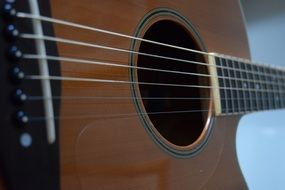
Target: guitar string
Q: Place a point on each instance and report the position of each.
(120, 115)
(95, 62)
(80, 79)
(98, 46)
(239, 110)
(277, 106)
(125, 114)
(91, 45)
(95, 29)
(137, 114)
(147, 40)
(70, 59)
(256, 99)
(279, 91)
(262, 103)
(109, 48)
(232, 98)
(40, 98)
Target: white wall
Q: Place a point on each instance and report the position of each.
(261, 136)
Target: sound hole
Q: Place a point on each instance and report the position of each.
(178, 113)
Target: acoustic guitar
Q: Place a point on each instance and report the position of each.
(127, 95)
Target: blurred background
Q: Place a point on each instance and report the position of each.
(261, 136)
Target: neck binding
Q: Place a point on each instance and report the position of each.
(241, 86)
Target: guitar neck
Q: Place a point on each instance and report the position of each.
(242, 86)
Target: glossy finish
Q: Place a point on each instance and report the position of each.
(110, 152)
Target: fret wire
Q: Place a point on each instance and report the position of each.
(241, 86)
(232, 84)
(221, 80)
(246, 87)
(237, 92)
(276, 90)
(268, 95)
(265, 86)
(250, 73)
(269, 86)
(260, 87)
(279, 82)
(277, 86)
(252, 63)
(227, 85)
(282, 88)
(274, 84)
(256, 86)
(272, 95)
(273, 88)
(251, 86)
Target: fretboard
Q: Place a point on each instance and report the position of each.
(247, 87)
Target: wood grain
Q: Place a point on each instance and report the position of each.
(118, 153)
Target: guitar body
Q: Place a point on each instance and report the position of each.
(118, 153)
(113, 151)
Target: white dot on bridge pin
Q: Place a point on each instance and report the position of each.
(26, 140)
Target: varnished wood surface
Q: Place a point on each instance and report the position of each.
(118, 153)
